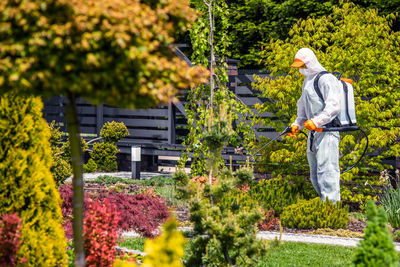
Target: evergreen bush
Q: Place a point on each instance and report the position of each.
(377, 248)
(225, 229)
(66, 149)
(105, 156)
(276, 194)
(167, 249)
(112, 132)
(27, 186)
(314, 213)
(61, 168)
(90, 166)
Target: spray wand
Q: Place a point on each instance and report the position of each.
(331, 129)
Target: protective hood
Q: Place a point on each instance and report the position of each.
(310, 60)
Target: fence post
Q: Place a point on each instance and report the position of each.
(99, 118)
(171, 123)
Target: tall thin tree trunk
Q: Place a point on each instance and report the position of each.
(212, 56)
(77, 180)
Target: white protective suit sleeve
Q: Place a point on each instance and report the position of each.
(301, 113)
(330, 89)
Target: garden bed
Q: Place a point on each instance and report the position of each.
(160, 185)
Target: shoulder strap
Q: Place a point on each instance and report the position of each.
(335, 122)
(316, 86)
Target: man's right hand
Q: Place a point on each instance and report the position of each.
(295, 130)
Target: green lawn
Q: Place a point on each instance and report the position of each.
(287, 254)
(301, 254)
(135, 243)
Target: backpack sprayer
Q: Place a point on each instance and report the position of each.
(345, 121)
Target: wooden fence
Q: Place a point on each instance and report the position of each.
(158, 131)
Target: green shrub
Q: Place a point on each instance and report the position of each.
(225, 232)
(377, 248)
(238, 200)
(244, 175)
(390, 202)
(90, 166)
(55, 136)
(112, 132)
(66, 149)
(314, 213)
(105, 156)
(276, 194)
(181, 179)
(61, 169)
(26, 183)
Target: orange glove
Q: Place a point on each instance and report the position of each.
(310, 125)
(295, 130)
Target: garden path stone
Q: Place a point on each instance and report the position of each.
(318, 239)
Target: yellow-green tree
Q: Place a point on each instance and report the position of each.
(359, 44)
(113, 51)
(26, 184)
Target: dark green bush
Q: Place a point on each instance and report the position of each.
(90, 166)
(314, 213)
(377, 248)
(276, 194)
(112, 132)
(105, 156)
(61, 169)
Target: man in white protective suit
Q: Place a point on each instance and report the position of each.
(312, 114)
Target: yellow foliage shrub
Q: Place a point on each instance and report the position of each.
(26, 184)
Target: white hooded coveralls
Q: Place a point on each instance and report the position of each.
(323, 157)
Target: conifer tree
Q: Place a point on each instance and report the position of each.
(26, 184)
(377, 248)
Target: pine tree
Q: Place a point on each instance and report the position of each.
(377, 248)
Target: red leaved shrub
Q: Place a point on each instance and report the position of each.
(10, 226)
(269, 221)
(142, 213)
(100, 235)
(66, 196)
